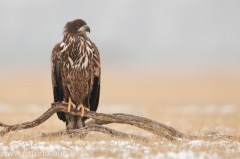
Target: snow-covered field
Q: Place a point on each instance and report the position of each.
(119, 149)
(190, 119)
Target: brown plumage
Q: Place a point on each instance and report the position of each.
(76, 72)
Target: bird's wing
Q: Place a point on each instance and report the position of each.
(94, 97)
(95, 92)
(56, 79)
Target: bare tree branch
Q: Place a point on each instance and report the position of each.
(98, 128)
(99, 119)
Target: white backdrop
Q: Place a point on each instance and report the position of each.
(129, 33)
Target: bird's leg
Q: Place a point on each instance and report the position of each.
(82, 109)
(70, 104)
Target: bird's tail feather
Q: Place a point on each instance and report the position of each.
(74, 122)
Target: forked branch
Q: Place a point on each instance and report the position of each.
(99, 119)
(98, 128)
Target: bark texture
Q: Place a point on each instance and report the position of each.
(99, 119)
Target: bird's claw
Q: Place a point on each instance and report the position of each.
(63, 102)
(82, 109)
(76, 110)
(70, 104)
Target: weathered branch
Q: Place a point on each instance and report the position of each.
(152, 126)
(34, 123)
(98, 128)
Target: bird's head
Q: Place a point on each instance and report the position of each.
(76, 27)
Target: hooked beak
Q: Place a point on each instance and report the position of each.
(84, 28)
(87, 28)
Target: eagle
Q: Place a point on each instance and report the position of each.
(76, 69)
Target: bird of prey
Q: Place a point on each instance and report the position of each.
(75, 64)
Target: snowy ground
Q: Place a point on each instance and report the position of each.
(117, 149)
(190, 119)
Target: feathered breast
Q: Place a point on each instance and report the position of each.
(76, 53)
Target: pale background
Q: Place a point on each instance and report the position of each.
(153, 53)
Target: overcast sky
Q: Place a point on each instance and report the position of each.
(128, 33)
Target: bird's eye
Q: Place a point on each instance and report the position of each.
(77, 27)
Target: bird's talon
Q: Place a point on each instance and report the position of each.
(76, 110)
(70, 104)
(63, 102)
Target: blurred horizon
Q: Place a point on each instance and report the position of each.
(152, 52)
